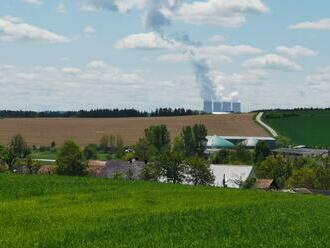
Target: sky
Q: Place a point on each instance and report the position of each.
(146, 54)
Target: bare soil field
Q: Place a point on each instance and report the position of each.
(42, 131)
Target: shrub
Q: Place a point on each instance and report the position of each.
(70, 160)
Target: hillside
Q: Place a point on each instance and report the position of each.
(87, 212)
(42, 131)
(303, 127)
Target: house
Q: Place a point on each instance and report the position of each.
(95, 167)
(232, 176)
(301, 152)
(47, 170)
(127, 169)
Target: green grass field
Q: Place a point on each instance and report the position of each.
(89, 212)
(304, 127)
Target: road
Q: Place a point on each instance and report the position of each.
(271, 130)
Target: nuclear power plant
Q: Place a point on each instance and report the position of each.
(222, 107)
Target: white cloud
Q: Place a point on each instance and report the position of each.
(151, 40)
(218, 12)
(320, 78)
(88, 8)
(12, 28)
(61, 8)
(216, 54)
(35, 2)
(228, 50)
(44, 87)
(323, 24)
(116, 5)
(272, 62)
(89, 30)
(217, 38)
(215, 12)
(297, 51)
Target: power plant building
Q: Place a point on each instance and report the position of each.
(226, 107)
(208, 108)
(217, 107)
(237, 107)
(222, 107)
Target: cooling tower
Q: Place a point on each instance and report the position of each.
(217, 107)
(237, 107)
(227, 107)
(207, 106)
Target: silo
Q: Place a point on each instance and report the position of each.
(217, 107)
(237, 107)
(207, 106)
(227, 107)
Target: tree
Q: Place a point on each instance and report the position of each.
(90, 152)
(120, 151)
(9, 157)
(33, 166)
(194, 140)
(19, 147)
(221, 157)
(262, 151)
(104, 143)
(150, 172)
(199, 134)
(70, 160)
(199, 171)
(310, 177)
(178, 145)
(277, 168)
(171, 166)
(188, 141)
(241, 156)
(145, 151)
(158, 136)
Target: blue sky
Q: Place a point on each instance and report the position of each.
(81, 54)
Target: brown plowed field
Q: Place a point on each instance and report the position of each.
(42, 131)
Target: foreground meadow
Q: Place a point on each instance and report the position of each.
(38, 211)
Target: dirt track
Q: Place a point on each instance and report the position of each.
(85, 131)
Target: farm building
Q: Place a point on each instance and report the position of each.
(301, 152)
(215, 143)
(232, 176)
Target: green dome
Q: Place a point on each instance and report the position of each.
(218, 142)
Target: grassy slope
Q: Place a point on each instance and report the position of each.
(310, 128)
(87, 212)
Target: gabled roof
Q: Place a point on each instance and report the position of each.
(232, 174)
(264, 183)
(123, 167)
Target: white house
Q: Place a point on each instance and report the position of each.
(231, 176)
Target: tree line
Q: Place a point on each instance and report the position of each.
(98, 113)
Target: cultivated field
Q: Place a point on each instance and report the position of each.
(306, 127)
(86, 131)
(39, 211)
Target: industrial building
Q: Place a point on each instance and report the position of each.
(208, 108)
(216, 143)
(221, 107)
